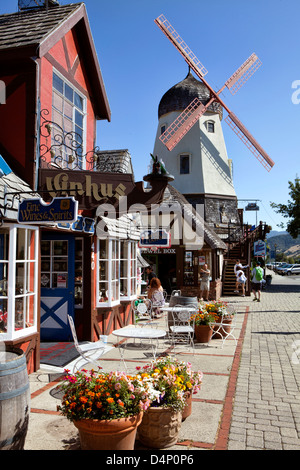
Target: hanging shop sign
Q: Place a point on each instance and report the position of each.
(259, 248)
(82, 224)
(37, 211)
(155, 238)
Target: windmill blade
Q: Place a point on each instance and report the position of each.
(249, 141)
(182, 47)
(246, 70)
(183, 123)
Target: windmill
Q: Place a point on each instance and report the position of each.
(185, 121)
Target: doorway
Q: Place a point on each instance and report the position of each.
(57, 285)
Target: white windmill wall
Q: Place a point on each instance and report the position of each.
(209, 165)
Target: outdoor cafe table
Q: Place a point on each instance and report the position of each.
(139, 333)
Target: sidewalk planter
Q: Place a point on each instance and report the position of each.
(14, 399)
(224, 330)
(203, 333)
(116, 434)
(187, 410)
(106, 408)
(160, 427)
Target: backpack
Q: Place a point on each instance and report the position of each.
(259, 274)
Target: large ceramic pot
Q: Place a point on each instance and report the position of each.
(187, 410)
(159, 427)
(117, 434)
(224, 330)
(203, 333)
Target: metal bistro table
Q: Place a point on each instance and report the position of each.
(139, 333)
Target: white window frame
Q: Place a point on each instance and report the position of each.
(207, 123)
(112, 301)
(131, 277)
(11, 296)
(84, 111)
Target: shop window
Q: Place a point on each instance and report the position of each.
(18, 281)
(128, 270)
(188, 272)
(68, 112)
(117, 272)
(78, 272)
(54, 263)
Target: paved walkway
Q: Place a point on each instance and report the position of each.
(266, 411)
(249, 397)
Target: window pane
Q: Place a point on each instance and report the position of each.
(78, 118)
(68, 110)
(78, 101)
(3, 315)
(4, 244)
(58, 84)
(60, 248)
(184, 164)
(21, 234)
(68, 93)
(57, 102)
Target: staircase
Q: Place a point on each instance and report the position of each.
(229, 278)
(240, 248)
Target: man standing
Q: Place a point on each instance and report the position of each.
(150, 274)
(257, 277)
(204, 283)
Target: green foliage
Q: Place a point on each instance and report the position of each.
(291, 210)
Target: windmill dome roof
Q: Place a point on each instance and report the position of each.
(183, 93)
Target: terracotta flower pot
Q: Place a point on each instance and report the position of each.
(159, 427)
(187, 410)
(117, 434)
(224, 330)
(203, 333)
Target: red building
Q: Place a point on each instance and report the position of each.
(54, 96)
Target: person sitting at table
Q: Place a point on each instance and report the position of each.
(156, 295)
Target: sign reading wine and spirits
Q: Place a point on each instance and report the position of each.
(36, 211)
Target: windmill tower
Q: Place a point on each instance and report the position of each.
(190, 139)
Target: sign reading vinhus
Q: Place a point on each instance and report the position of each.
(88, 187)
(36, 211)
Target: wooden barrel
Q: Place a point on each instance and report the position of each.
(14, 399)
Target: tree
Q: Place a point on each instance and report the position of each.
(291, 210)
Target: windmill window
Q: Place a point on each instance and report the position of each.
(210, 126)
(184, 162)
(162, 129)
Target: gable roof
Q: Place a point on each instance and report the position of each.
(33, 33)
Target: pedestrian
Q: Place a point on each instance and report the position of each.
(237, 267)
(256, 282)
(150, 274)
(156, 295)
(241, 281)
(204, 283)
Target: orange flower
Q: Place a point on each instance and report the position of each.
(110, 400)
(83, 399)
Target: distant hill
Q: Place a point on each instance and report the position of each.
(275, 233)
(285, 243)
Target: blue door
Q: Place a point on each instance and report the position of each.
(57, 285)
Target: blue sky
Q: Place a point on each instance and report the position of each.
(139, 65)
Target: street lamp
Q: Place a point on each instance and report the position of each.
(275, 246)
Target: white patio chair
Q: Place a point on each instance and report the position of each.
(175, 292)
(182, 330)
(142, 310)
(89, 351)
(223, 328)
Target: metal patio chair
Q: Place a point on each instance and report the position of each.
(182, 330)
(88, 351)
(223, 328)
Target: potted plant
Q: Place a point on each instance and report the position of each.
(203, 320)
(221, 312)
(166, 390)
(105, 407)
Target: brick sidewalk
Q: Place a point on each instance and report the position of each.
(266, 411)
